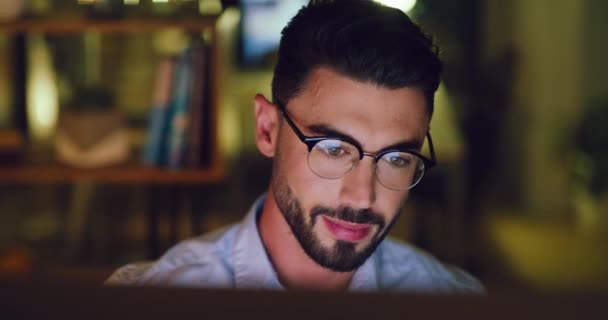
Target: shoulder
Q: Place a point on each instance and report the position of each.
(201, 262)
(403, 267)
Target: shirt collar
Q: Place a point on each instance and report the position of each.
(253, 269)
(366, 277)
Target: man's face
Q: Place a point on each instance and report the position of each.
(340, 222)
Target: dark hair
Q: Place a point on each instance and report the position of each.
(360, 39)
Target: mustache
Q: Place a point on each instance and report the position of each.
(363, 216)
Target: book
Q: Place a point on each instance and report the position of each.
(206, 135)
(197, 107)
(179, 123)
(159, 114)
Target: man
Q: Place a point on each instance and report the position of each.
(352, 100)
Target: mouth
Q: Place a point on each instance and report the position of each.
(346, 231)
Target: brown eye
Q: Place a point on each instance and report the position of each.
(332, 148)
(398, 160)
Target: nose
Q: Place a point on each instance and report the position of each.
(358, 188)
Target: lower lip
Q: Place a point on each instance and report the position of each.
(347, 231)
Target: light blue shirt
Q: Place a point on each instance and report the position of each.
(234, 257)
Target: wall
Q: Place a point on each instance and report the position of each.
(595, 50)
(546, 38)
(560, 66)
(238, 88)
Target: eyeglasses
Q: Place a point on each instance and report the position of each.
(397, 168)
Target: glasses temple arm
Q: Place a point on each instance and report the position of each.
(293, 126)
(431, 148)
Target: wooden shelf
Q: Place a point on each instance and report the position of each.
(132, 173)
(122, 25)
(119, 175)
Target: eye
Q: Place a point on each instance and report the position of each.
(334, 148)
(398, 160)
(334, 151)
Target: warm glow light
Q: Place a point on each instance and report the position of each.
(131, 2)
(86, 1)
(160, 1)
(42, 96)
(209, 7)
(6, 84)
(230, 124)
(171, 41)
(403, 5)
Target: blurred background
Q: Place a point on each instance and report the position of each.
(127, 125)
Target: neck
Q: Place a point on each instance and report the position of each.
(295, 269)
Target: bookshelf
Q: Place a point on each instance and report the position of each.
(131, 173)
(127, 25)
(128, 174)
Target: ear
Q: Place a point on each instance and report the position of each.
(266, 125)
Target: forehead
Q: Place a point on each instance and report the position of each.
(374, 115)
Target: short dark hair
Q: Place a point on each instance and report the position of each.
(360, 39)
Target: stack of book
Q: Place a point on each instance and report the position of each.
(178, 127)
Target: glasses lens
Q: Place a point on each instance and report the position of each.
(332, 158)
(399, 170)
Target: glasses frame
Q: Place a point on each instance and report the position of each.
(310, 142)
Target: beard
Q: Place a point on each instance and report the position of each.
(343, 256)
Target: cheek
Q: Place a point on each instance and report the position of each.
(389, 202)
(308, 188)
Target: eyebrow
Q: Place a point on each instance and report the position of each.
(325, 130)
